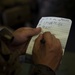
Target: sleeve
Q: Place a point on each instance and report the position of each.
(40, 69)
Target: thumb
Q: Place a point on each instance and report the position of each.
(21, 35)
(32, 32)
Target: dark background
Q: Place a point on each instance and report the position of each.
(22, 13)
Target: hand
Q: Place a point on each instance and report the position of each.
(48, 53)
(22, 37)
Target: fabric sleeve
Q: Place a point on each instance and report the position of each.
(40, 69)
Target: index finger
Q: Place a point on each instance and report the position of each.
(47, 37)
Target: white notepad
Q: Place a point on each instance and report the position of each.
(60, 27)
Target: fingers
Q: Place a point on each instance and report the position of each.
(51, 41)
(37, 41)
(36, 44)
(23, 34)
(26, 32)
(32, 31)
(49, 53)
(48, 38)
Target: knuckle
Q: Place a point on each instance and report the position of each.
(49, 44)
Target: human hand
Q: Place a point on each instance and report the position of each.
(22, 37)
(48, 53)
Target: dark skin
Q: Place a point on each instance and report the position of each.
(22, 37)
(49, 53)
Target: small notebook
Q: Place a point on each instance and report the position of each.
(60, 27)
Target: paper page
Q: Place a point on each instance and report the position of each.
(60, 27)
